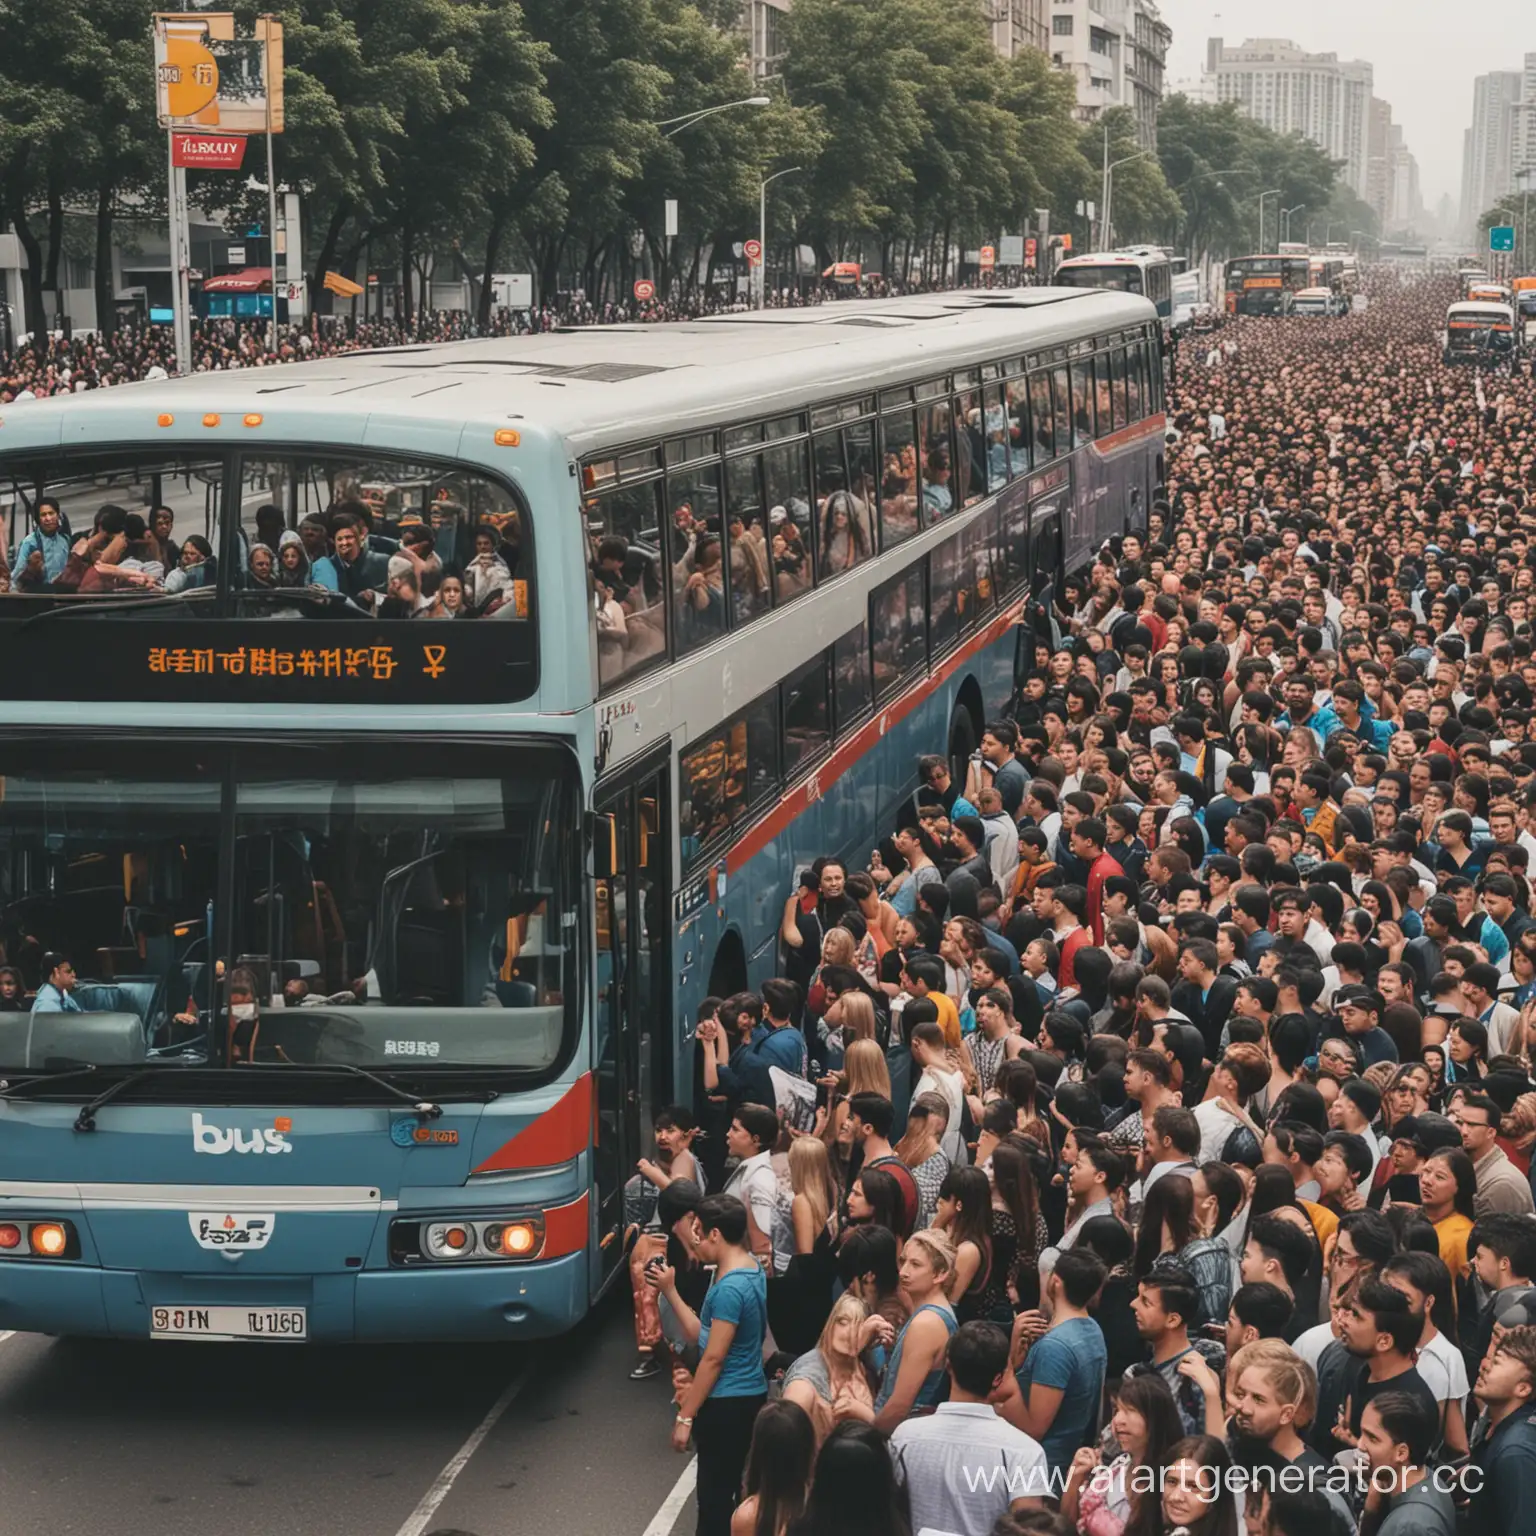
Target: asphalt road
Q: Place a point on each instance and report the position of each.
(165, 1439)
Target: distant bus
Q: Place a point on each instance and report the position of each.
(1266, 285)
(1144, 270)
(1479, 333)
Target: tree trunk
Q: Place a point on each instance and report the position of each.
(492, 252)
(106, 305)
(406, 263)
(326, 257)
(55, 240)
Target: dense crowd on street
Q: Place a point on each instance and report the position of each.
(69, 363)
(1169, 1169)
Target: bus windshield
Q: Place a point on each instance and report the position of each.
(1120, 279)
(384, 904)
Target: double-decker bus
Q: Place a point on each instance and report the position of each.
(1266, 285)
(1143, 269)
(391, 931)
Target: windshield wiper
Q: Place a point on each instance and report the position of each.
(122, 605)
(303, 597)
(86, 1119)
(45, 1079)
(425, 1107)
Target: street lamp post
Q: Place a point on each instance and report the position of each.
(1275, 193)
(675, 125)
(1106, 227)
(1285, 214)
(762, 231)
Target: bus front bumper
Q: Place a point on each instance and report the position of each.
(481, 1302)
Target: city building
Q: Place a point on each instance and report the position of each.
(762, 21)
(1019, 24)
(1318, 95)
(1488, 147)
(1116, 52)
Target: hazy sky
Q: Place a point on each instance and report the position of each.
(1426, 54)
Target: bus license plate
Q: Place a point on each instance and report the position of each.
(275, 1324)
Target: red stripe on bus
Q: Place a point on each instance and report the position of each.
(831, 769)
(1153, 425)
(562, 1132)
(566, 1229)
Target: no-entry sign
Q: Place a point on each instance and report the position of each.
(208, 151)
(645, 289)
(753, 251)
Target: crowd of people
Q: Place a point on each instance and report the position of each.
(1141, 1142)
(69, 362)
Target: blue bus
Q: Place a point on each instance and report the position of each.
(349, 953)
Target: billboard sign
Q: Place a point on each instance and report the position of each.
(206, 77)
(208, 151)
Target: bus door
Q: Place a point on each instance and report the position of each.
(632, 1013)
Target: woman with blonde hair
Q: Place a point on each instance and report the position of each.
(815, 1194)
(799, 1298)
(850, 1017)
(864, 1071)
(920, 1150)
(828, 1382)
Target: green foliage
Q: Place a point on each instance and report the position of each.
(495, 134)
(1219, 163)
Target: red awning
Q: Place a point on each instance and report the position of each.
(252, 280)
(843, 272)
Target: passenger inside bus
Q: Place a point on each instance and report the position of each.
(376, 540)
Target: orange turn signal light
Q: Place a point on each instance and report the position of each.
(253, 419)
(507, 438)
(211, 419)
(49, 1239)
(518, 1239)
(10, 1236)
(165, 419)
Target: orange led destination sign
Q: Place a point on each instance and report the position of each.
(375, 663)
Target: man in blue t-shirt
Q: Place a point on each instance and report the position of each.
(1054, 1393)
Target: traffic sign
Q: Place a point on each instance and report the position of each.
(644, 289)
(1066, 242)
(1501, 237)
(753, 251)
(988, 256)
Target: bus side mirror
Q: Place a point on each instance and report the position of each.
(605, 845)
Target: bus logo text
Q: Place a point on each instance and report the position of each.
(216, 1141)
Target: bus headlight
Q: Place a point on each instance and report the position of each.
(448, 1240)
(497, 1239)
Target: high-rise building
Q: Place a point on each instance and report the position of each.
(1488, 161)
(1378, 158)
(1116, 52)
(1017, 25)
(1318, 95)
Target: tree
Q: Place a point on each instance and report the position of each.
(1219, 164)
(1141, 203)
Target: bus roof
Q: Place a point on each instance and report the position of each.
(1480, 309)
(599, 386)
(1111, 259)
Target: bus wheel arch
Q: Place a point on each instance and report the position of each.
(728, 969)
(966, 722)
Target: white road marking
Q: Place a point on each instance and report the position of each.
(432, 1500)
(672, 1506)
(10, 1333)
